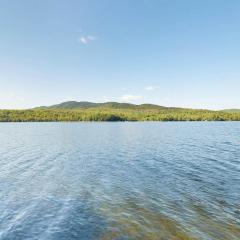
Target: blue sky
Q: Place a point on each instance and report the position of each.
(169, 52)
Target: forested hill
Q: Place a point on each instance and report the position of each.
(113, 111)
(111, 105)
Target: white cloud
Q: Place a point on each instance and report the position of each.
(130, 97)
(86, 39)
(83, 40)
(151, 88)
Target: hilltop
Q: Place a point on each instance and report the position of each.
(74, 105)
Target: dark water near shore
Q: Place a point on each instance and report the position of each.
(166, 181)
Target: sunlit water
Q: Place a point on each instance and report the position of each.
(166, 181)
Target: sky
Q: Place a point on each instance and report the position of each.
(168, 52)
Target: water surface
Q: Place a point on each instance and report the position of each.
(153, 180)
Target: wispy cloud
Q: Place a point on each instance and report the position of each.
(151, 88)
(86, 39)
(130, 97)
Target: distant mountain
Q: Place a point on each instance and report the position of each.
(108, 105)
(73, 105)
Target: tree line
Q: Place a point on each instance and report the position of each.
(115, 115)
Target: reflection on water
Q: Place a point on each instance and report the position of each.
(164, 181)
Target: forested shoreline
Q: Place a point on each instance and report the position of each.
(56, 115)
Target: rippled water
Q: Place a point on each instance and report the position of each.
(166, 181)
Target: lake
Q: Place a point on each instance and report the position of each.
(142, 180)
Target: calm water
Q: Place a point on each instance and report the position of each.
(166, 181)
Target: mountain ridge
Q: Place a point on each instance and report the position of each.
(74, 105)
(71, 105)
